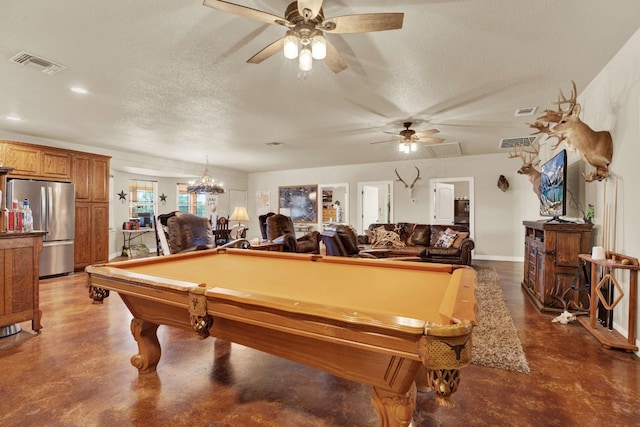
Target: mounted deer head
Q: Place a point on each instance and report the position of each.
(528, 165)
(595, 147)
(407, 186)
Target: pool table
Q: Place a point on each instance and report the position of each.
(385, 323)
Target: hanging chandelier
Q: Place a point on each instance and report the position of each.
(206, 184)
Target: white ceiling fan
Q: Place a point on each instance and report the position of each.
(306, 25)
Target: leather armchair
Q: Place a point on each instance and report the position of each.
(280, 229)
(262, 220)
(184, 232)
(342, 240)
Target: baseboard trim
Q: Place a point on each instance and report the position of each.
(498, 258)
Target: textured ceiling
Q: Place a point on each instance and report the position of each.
(170, 77)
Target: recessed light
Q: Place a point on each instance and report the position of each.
(14, 118)
(77, 89)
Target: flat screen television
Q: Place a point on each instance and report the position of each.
(553, 187)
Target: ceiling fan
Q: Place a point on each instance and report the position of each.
(410, 138)
(306, 25)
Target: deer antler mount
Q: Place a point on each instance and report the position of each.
(408, 187)
(529, 162)
(595, 147)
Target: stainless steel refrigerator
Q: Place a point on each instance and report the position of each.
(53, 208)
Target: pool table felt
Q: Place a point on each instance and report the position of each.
(408, 290)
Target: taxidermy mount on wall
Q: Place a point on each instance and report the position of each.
(529, 163)
(595, 147)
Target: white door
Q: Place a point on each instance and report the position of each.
(370, 206)
(443, 203)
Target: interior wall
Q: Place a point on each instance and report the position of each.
(612, 102)
(498, 215)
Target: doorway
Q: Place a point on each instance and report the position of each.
(375, 203)
(333, 204)
(459, 202)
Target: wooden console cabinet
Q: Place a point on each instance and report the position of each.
(19, 291)
(551, 260)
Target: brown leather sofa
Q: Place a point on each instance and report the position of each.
(279, 228)
(342, 240)
(430, 242)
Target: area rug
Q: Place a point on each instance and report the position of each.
(495, 339)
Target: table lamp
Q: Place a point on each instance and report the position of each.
(239, 214)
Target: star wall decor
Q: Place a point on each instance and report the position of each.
(122, 195)
(163, 199)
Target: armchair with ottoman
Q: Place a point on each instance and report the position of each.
(448, 244)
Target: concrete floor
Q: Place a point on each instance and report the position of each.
(76, 372)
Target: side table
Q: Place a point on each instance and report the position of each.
(613, 261)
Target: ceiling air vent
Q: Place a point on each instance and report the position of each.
(520, 141)
(36, 62)
(448, 149)
(528, 111)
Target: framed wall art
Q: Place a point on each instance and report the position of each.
(299, 202)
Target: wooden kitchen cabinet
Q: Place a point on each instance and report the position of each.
(19, 266)
(91, 177)
(551, 260)
(92, 234)
(37, 162)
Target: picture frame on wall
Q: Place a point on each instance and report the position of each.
(300, 201)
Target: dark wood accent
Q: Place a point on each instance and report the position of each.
(551, 252)
(461, 212)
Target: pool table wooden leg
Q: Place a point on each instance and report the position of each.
(394, 409)
(148, 345)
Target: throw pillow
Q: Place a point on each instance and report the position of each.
(386, 239)
(461, 236)
(419, 236)
(436, 232)
(446, 239)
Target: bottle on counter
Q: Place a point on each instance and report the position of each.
(27, 217)
(15, 218)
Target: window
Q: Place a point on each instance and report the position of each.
(195, 203)
(142, 197)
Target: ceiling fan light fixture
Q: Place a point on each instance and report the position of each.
(291, 45)
(306, 59)
(318, 47)
(414, 146)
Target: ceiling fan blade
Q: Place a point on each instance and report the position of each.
(313, 5)
(272, 49)
(364, 23)
(382, 142)
(430, 139)
(397, 135)
(426, 132)
(333, 59)
(247, 12)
